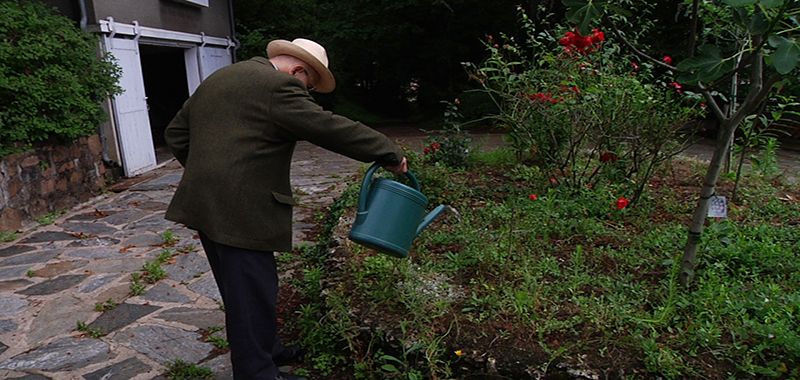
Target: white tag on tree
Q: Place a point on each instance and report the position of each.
(718, 207)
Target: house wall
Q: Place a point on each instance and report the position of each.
(49, 178)
(213, 20)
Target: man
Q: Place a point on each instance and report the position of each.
(235, 137)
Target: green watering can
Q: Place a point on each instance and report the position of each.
(390, 214)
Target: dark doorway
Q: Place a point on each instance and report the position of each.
(165, 84)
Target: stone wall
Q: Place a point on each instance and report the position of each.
(49, 178)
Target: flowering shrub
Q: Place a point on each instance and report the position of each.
(449, 146)
(586, 113)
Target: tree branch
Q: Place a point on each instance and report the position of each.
(638, 52)
(695, 22)
(715, 109)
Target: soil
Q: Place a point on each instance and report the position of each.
(484, 356)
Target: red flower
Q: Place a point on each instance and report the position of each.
(635, 65)
(608, 157)
(598, 36)
(436, 146)
(574, 41)
(426, 150)
(622, 202)
(542, 98)
(667, 59)
(532, 197)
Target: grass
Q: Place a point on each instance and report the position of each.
(181, 370)
(8, 236)
(94, 333)
(565, 281)
(50, 218)
(109, 304)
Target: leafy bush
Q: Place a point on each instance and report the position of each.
(582, 110)
(51, 77)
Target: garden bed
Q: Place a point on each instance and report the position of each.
(555, 286)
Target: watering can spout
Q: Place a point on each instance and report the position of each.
(430, 218)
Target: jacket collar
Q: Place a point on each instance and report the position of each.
(264, 61)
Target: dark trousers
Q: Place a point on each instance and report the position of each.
(248, 283)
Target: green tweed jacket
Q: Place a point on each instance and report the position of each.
(235, 137)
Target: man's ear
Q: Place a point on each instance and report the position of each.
(296, 69)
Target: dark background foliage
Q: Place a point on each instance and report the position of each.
(378, 48)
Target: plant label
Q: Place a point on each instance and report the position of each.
(718, 207)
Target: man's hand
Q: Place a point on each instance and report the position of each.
(399, 169)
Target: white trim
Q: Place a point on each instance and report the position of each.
(199, 3)
(116, 28)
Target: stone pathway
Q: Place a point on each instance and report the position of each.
(80, 270)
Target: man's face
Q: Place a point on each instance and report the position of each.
(307, 75)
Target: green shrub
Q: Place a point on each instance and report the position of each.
(588, 115)
(52, 80)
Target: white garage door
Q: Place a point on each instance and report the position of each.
(130, 109)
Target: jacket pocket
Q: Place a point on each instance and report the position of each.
(284, 198)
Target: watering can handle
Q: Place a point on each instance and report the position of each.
(365, 184)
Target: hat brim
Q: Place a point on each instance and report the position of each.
(279, 47)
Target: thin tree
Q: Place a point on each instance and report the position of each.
(768, 52)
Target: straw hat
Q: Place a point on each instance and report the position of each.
(309, 52)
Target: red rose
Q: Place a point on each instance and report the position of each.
(622, 202)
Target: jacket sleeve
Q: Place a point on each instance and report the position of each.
(299, 117)
(177, 134)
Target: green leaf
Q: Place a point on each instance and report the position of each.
(709, 65)
(709, 55)
(739, 3)
(689, 78)
(392, 358)
(715, 70)
(779, 41)
(389, 368)
(759, 24)
(619, 11)
(583, 13)
(740, 16)
(769, 4)
(785, 57)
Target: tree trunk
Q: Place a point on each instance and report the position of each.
(701, 212)
(759, 89)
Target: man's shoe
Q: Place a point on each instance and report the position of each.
(289, 376)
(289, 355)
